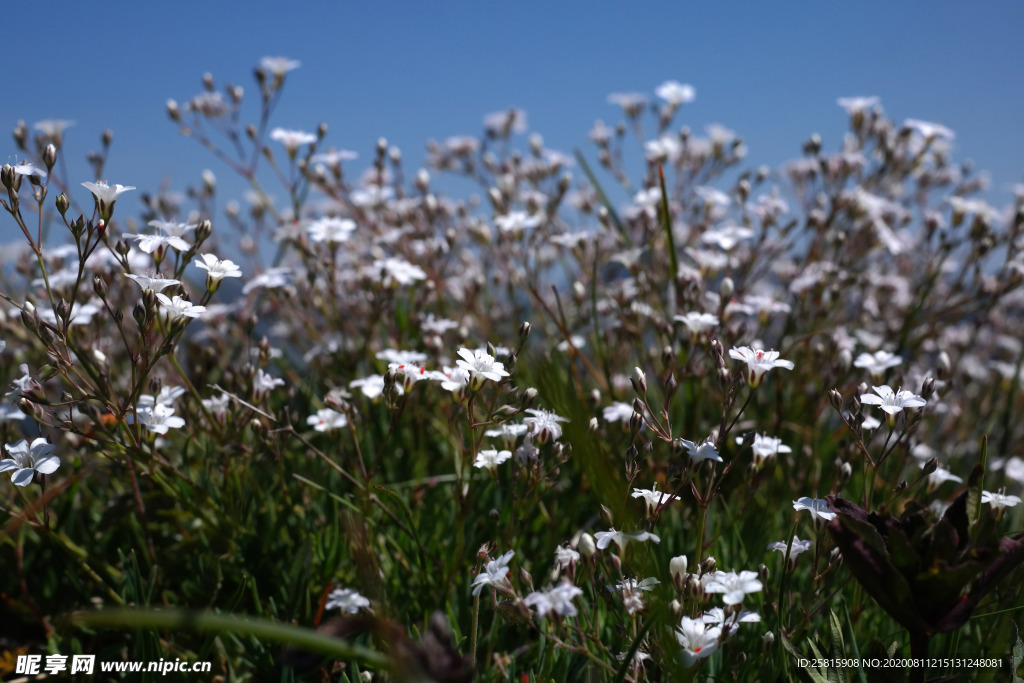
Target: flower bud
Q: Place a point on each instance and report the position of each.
(708, 565)
(639, 382)
(527, 398)
(586, 545)
(726, 290)
(945, 366)
(99, 286)
(928, 388)
(62, 203)
(836, 399)
(593, 425)
(768, 640)
(50, 156)
(636, 421)
(173, 112)
(677, 568)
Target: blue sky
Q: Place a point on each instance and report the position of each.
(411, 71)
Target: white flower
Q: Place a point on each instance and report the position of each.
(818, 508)
(272, 278)
(544, 425)
(216, 269)
(279, 66)
(928, 129)
(151, 243)
(557, 599)
(758, 362)
(167, 396)
(262, 384)
(217, 405)
(727, 237)
(493, 574)
(516, 222)
(654, 498)
(565, 557)
(500, 123)
(346, 599)
(734, 586)
(858, 105)
(396, 271)
(730, 623)
(332, 230)
(481, 365)
(333, 156)
(155, 284)
(765, 447)
(327, 419)
(621, 538)
(797, 547)
(157, 418)
(633, 585)
(291, 139)
(877, 363)
(940, 476)
(53, 128)
(27, 459)
(698, 323)
(705, 450)
(676, 93)
(491, 458)
(177, 307)
(372, 386)
(617, 412)
(892, 402)
(697, 639)
(632, 103)
(106, 195)
(997, 500)
(27, 169)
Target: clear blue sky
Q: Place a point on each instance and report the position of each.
(416, 70)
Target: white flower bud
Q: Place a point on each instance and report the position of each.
(586, 545)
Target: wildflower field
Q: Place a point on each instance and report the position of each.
(640, 411)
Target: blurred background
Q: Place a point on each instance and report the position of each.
(414, 71)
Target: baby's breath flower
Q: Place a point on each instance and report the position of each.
(818, 508)
(999, 500)
(654, 497)
(481, 365)
(150, 283)
(621, 538)
(544, 425)
(28, 458)
(106, 196)
(327, 419)
(892, 402)
(558, 599)
(797, 547)
(347, 600)
(758, 362)
(491, 458)
(734, 586)
(699, 640)
(177, 307)
(699, 452)
(216, 270)
(493, 573)
(877, 363)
